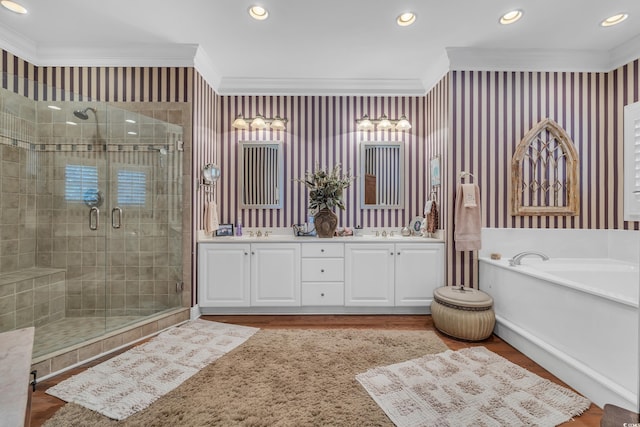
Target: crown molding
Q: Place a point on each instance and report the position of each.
(192, 55)
(472, 59)
(204, 66)
(18, 45)
(439, 68)
(338, 87)
(625, 53)
(132, 55)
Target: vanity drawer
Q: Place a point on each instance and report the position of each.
(322, 269)
(322, 294)
(322, 250)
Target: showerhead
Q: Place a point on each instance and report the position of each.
(82, 114)
(161, 150)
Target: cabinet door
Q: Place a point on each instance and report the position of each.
(369, 274)
(275, 274)
(419, 271)
(223, 275)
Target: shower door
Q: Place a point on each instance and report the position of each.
(115, 221)
(143, 220)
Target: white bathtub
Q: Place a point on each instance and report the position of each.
(578, 318)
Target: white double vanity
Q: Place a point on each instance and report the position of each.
(287, 274)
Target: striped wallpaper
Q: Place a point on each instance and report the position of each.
(489, 114)
(321, 130)
(472, 120)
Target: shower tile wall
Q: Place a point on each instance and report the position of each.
(17, 184)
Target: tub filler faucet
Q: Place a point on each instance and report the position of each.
(517, 258)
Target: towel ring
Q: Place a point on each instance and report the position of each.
(464, 174)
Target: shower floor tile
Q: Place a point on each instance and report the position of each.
(73, 330)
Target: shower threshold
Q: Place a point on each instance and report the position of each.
(69, 331)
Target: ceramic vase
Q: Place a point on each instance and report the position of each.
(326, 222)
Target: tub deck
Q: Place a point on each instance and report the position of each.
(554, 321)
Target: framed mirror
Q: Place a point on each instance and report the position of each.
(381, 175)
(210, 174)
(261, 174)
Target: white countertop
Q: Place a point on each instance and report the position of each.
(287, 236)
(16, 348)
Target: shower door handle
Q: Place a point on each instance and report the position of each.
(94, 218)
(116, 217)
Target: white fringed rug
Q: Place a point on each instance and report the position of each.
(131, 381)
(468, 387)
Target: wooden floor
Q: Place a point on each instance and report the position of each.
(44, 406)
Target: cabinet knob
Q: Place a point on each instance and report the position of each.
(322, 270)
(246, 253)
(321, 250)
(253, 253)
(322, 294)
(398, 253)
(390, 253)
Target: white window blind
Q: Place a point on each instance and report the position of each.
(80, 182)
(132, 187)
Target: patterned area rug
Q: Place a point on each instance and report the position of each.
(133, 380)
(468, 387)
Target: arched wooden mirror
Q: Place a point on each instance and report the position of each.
(545, 173)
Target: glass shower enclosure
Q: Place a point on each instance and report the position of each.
(90, 216)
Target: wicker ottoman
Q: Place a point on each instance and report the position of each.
(463, 313)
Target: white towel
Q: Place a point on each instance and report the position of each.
(211, 222)
(427, 207)
(467, 222)
(469, 195)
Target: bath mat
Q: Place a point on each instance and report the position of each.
(290, 377)
(468, 387)
(133, 380)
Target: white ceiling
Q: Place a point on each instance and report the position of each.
(325, 46)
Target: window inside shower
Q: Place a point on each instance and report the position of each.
(91, 220)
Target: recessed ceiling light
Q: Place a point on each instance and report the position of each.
(511, 17)
(258, 12)
(54, 107)
(405, 19)
(14, 7)
(614, 20)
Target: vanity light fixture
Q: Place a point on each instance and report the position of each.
(54, 107)
(14, 7)
(405, 19)
(259, 122)
(403, 124)
(277, 124)
(258, 13)
(511, 17)
(614, 20)
(383, 123)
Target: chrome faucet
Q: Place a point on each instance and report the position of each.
(384, 233)
(517, 258)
